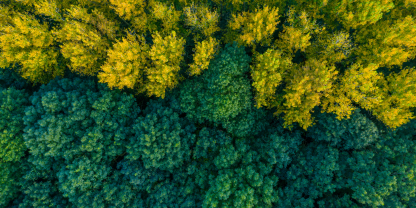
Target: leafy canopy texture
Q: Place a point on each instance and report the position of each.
(74, 130)
(207, 103)
(222, 94)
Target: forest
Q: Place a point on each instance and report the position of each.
(207, 103)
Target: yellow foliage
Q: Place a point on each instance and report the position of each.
(125, 64)
(168, 15)
(358, 84)
(297, 35)
(29, 43)
(132, 10)
(256, 27)
(166, 55)
(355, 13)
(400, 96)
(267, 73)
(203, 20)
(204, 52)
(49, 8)
(331, 48)
(305, 88)
(233, 5)
(403, 8)
(85, 39)
(394, 46)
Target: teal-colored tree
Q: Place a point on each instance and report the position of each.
(309, 176)
(355, 133)
(161, 139)
(12, 146)
(222, 94)
(160, 188)
(383, 174)
(79, 129)
(10, 78)
(235, 173)
(40, 188)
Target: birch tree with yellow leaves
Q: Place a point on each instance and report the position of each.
(25, 41)
(252, 28)
(306, 86)
(393, 47)
(85, 37)
(133, 11)
(165, 55)
(203, 24)
(125, 64)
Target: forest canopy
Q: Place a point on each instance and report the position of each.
(207, 103)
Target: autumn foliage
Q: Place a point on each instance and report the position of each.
(207, 103)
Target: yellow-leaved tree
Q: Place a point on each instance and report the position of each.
(399, 92)
(165, 54)
(205, 51)
(85, 38)
(359, 84)
(267, 71)
(168, 16)
(389, 99)
(356, 13)
(133, 11)
(203, 24)
(332, 48)
(126, 63)
(394, 46)
(402, 8)
(250, 28)
(201, 21)
(297, 33)
(306, 85)
(25, 41)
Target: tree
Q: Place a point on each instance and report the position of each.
(85, 38)
(76, 130)
(125, 64)
(390, 48)
(306, 87)
(166, 55)
(25, 41)
(161, 139)
(267, 72)
(256, 27)
(353, 14)
(134, 11)
(12, 146)
(201, 20)
(222, 94)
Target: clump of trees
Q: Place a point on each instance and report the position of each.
(207, 103)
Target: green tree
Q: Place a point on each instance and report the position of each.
(75, 130)
(12, 146)
(222, 94)
(161, 139)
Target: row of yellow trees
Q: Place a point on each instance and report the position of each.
(106, 38)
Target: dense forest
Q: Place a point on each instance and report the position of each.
(207, 103)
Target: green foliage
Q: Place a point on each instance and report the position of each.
(12, 106)
(12, 146)
(354, 133)
(310, 176)
(222, 94)
(10, 78)
(204, 143)
(161, 139)
(82, 128)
